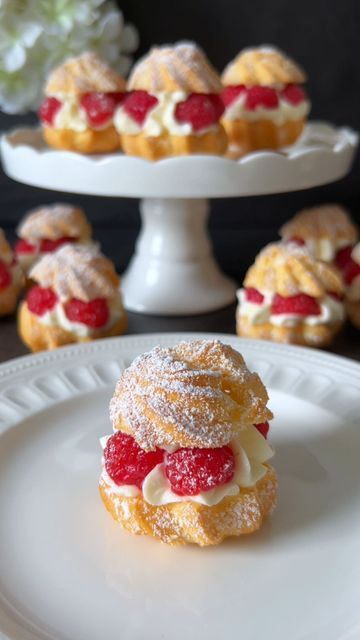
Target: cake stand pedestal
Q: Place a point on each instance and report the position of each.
(172, 271)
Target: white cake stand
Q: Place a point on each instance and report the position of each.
(173, 271)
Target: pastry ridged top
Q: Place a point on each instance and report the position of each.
(6, 253)
(181, 67)
(288, 269)
(263, 65)
(329, 221)
(196, 394)
(54, 222)
(77, 271)
(84, 74)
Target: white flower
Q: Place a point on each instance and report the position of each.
(15, 38)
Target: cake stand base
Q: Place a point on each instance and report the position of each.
(173, 271)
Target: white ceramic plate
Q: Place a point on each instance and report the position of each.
(68, 572)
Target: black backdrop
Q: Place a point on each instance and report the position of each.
(323, 35)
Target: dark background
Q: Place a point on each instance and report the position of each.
(323, 35)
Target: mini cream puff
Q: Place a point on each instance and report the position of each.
(11, 278)
(188, 459)
(351, 275)
(47, 228)
(76, 299)
(265, 104)
(288, 296)
(174, 105)
(80, 100)
(327, 231)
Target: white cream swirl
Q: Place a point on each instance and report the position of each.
(284, 112)
(71, 115)
(325, 249)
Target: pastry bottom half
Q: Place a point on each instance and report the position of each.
(353, 311)
(157, 147)
(8, 300)
(88, 141)
(190, 522)
(39, 337)
(245, 136)
(317, 336)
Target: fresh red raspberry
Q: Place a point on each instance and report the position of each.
(230, 93)
(296, 240)
(293, 94)
(201, 110)
(137, 105)
(23, 246)
(337, 296)
(343, 256)
(258, 96)
(126, 462)
(48, 110)
(263, 428)
(253, 295)
(100, 107)
(350, 271)
(301, 304)
(48, 246)
(5, 276)
(40, 300)
(94, 314)
(191, 471)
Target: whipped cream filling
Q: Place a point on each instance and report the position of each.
(284, 112)
(57, 318)
(332, 310)
(160, 119)
(323, 248)
(251, 451)
(71, 115)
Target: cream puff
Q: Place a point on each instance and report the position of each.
(327, 231)
(289, 296)
(76, 299)
(45, 229)
(265, 103)
(351, 274)
(11, 278)
(173, 106)
(188, 459)
(77, 112)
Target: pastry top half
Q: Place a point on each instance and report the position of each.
(54, 222)
(181, 67)
(264, 65)
(288, 270)
(84, 74)
(6, 252)
(329, 221)
(77, 271)
(196, 394)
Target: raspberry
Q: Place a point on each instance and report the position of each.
(190, 471)
(337, 296)
(343, 256)
(201, 110)
(230, 93)
(126, 462)
(258, 96)
(253, 295)
(100, 107)
(296, 240)
(23, 246)
(94, 314)
(293, 94)
(301, 304)
(350, 271)
(138, 103)
(47, 246)
(5, 276)
(48, 110)
(263, 428)
(40, 300)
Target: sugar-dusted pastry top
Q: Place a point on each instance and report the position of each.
(77, 271)
(288, 269)
(6, 253)
(54, 222)
(263, 65)
(197, 394)
(181, 67)
(84, 74)
(328, 221)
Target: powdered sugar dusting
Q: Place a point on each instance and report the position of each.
(84, 74)
(55, 221)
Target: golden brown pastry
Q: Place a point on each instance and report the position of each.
(47, 228)
(288, 296)
(11, 278)
(81, 97)
(265, 104)
(173, 106)
(76, 299)
(186, 463)
(351, 275)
